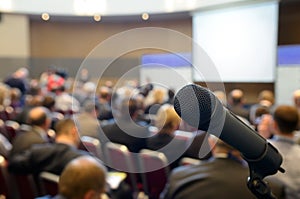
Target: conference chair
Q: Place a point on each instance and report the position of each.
(154, 172)
(49, 183)
(12, 129)
(92, 145)
(7, 185)
(120, 159)
(189, 161)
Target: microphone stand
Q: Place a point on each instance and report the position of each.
(259, 187)
(258, 170)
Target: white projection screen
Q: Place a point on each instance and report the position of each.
(241, 41)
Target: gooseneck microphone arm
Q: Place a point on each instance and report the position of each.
(200, 108)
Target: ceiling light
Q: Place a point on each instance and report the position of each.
(97, 17)
(45, 16)
(145, 16)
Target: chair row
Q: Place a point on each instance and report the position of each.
(146, 171)
(21, 186)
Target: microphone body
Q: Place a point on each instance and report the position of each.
(201, 109)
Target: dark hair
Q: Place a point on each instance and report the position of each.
(129, 105)
(171, 93)
(48, 102)
(287, 118)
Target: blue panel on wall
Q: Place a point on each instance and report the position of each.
(288, 55)
(167, 59)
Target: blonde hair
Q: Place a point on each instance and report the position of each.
(167, 118)
(4, 95)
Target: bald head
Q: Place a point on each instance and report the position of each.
(38, 116)
(82, 177)
(266, 95)
(296, 96)
(236, 96)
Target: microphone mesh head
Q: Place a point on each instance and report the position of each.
(195, 105)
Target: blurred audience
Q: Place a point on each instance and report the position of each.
(285, 123)
(18, 80)
(105, 109)
(265, 99)
(154, 100)
(30, 102)
(236, 102)
(167, 122)
(64, 102)
(51, 157)
(126, 129)
(265, 126)
(87, 121)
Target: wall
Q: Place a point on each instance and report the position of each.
(66, 43)
(14, 43)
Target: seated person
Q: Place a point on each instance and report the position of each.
(51, 157)
(87, 120)
(285, 122)
(167, 122)
(82, 178)
(223, 176)
(235, 103)
(126, 130)
(39, 119)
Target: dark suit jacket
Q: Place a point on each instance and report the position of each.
(44, 157)
(25, 140)
(213, 179)
(124, 132)
(172, 147)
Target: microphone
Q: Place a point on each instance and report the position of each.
(200, 108)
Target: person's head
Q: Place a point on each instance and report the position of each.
(171, 93)
(21, 73)
(83, 178)
(39, 116)
(104, 92)
(5, 95)
(89, 88)
(15, 94)
(91, 108)
(236, 97)
(266, 98)
(129, 108)
(66, 132)
(285, 119)
(296, 98)
(167, 119)
(49, 102)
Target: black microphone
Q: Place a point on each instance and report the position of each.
(200, 108)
